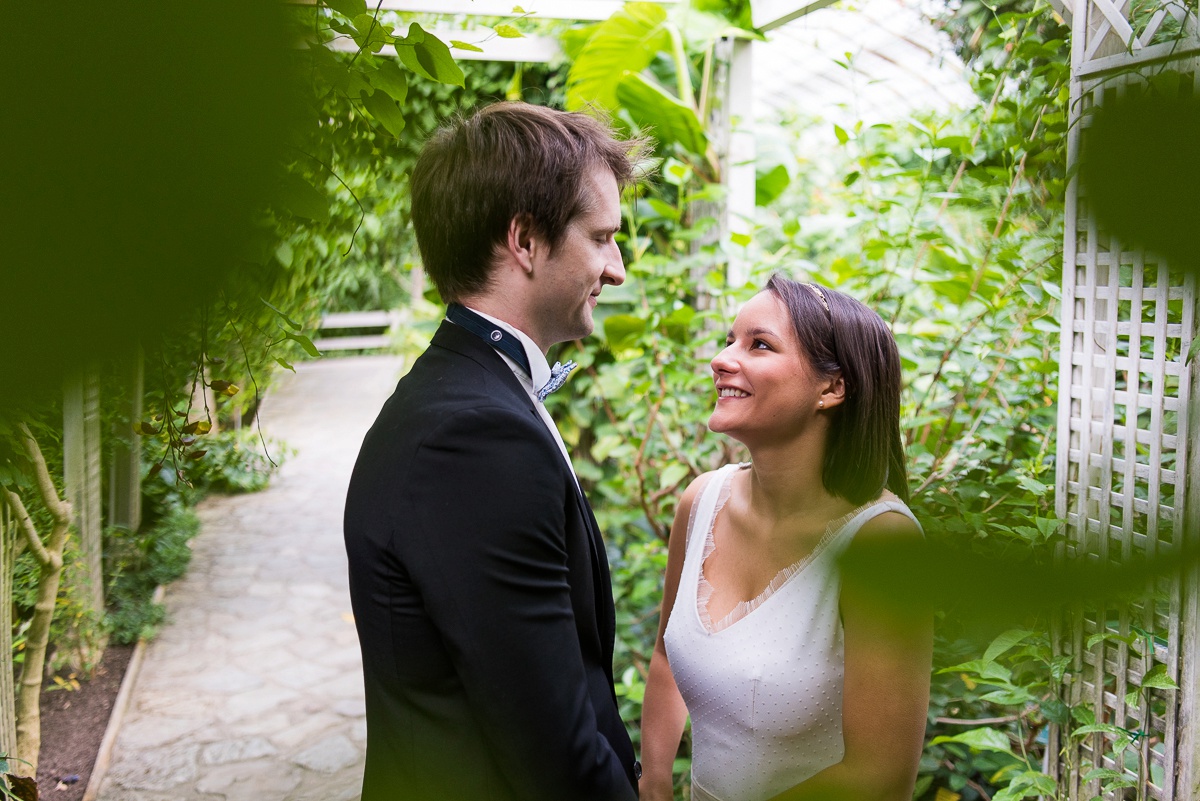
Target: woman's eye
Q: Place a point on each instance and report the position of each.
(759, 344)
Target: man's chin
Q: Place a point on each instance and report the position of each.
(586, 326)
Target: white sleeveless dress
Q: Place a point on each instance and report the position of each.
(763, 685)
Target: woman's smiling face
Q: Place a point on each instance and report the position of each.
(763, 380)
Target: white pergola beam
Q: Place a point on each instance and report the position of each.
(528, 49)
(584, 10)
(768, 15)
(740, 175)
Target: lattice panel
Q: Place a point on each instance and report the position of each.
(1124, 424)
(1113, 33)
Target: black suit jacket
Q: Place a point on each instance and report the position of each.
(481, 594)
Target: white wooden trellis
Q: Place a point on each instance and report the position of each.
(1128, 470)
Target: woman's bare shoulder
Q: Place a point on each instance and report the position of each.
(688, 499)
(889, 526)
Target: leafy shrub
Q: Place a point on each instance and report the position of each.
(236, 462)
(137, 563)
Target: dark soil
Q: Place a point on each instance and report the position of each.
(73, 724)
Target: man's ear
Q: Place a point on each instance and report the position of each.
(524, 243)
(834, 392)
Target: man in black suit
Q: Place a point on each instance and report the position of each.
(479, 580)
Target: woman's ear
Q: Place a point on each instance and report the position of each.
(833, 393)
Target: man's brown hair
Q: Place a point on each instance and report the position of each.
(508, 160)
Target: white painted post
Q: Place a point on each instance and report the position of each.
(81, 474)
(125, 471)
(1187, 750)
(737, 168)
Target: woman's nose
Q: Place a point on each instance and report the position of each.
(723, 362)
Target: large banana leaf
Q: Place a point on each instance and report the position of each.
(626, 41)
(650, 106)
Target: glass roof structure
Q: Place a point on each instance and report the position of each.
(874, 60)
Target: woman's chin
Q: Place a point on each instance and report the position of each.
(718, 425)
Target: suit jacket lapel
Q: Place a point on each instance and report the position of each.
(465, 343)
(605, 611)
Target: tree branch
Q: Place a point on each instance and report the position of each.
(59, 509)
(637, 468)
(35, 542)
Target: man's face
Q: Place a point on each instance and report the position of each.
(584, 261)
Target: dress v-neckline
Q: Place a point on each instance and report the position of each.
(742, 609)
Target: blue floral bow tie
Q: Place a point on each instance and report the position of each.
(558, 377)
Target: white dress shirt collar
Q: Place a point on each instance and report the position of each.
(538, 365)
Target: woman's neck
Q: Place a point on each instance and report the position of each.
(785, 480)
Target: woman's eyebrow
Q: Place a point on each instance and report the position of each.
(753, 333)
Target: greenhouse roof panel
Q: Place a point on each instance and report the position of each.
(893, 62)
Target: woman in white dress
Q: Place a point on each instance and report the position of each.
(799, 683)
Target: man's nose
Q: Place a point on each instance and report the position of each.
(614, 269)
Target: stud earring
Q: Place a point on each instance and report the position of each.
(820, 404)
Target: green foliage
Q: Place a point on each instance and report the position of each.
(137, 563)
(237, 462)
(951, 227)
(624, 43)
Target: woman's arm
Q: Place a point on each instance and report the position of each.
(663, 710)
(885, 697)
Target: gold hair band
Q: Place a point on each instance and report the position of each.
(820, 296)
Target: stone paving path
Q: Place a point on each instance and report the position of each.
(253, 689)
